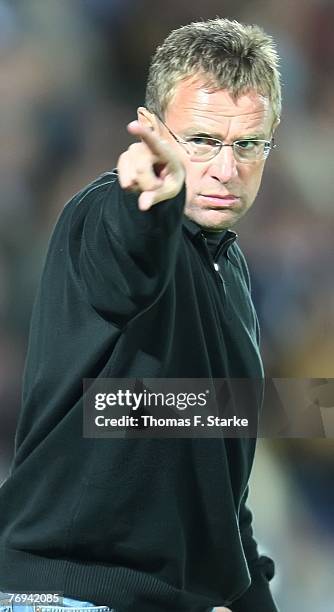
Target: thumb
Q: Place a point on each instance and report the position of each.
(145, 200)
(171, 186)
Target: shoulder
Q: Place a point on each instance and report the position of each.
(89, 200)
(99, 186)
(86, 202)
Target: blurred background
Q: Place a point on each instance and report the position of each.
(71, 76)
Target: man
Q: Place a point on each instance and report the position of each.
(143, 278)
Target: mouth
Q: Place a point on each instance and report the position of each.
(218, 201)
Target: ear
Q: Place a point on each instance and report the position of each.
(146, 118)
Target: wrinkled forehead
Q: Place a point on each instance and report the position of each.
(204, 88)
(195, 100)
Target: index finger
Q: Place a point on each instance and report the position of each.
(151, 140)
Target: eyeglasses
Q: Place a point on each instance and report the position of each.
(203, 148)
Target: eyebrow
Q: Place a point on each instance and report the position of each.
(201, 132)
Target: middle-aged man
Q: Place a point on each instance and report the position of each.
(144, 278)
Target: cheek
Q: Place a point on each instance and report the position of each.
(252, 180)
(194, 173)
(258, 177)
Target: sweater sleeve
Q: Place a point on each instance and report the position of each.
(123, 257)
(261, 568)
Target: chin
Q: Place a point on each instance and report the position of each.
(213, 219)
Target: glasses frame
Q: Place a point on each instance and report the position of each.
(220, 144)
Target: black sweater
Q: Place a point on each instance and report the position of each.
(152, 525)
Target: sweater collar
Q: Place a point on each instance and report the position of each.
(196, 232)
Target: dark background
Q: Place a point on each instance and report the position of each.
(72, 73)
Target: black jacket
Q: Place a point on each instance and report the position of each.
(150, 525)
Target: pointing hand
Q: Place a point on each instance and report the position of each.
(150, 167)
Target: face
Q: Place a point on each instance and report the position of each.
(222, 189)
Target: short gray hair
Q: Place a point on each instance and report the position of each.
(228, 54)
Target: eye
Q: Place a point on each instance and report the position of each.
(248, 145)
(203, 141)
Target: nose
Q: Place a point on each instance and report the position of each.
(223, 166)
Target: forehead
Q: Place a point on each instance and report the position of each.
(196, 105)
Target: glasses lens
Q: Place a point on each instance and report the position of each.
(202, 149)
(251, 150)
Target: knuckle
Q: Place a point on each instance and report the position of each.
(142, 169)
